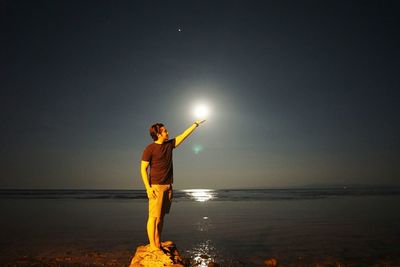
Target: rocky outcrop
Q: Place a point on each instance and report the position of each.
(271, 262)
(145, 257)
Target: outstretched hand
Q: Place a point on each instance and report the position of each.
(199, 121)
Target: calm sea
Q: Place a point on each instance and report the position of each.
(357, 226)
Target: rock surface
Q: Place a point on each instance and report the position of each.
(144, 257)
(272, 262)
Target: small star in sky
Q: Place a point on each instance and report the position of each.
(179, 29)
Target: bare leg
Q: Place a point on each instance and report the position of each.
(152, 232)
(158, 230)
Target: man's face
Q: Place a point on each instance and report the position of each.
(164, 134)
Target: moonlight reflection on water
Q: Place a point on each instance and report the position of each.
(204, 252)
(200, 195)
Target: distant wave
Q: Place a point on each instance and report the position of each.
(204, 194)
(73, 194)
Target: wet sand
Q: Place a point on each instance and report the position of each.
(65, 257)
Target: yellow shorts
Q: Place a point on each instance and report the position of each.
(160, 205)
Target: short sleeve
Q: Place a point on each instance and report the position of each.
(146, 156)
(170, 143)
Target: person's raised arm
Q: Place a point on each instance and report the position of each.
(179, 139)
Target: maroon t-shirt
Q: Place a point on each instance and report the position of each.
(160, 158)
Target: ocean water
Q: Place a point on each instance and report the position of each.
(351, 226)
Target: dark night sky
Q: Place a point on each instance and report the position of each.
(301, 92)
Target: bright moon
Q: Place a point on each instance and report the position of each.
(201, 112)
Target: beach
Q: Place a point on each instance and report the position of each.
(307, 227)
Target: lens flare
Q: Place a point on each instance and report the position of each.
(197, 149)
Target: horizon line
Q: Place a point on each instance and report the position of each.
(322, 186)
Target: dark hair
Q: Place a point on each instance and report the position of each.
(155, 129)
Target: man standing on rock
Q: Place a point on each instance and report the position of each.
(158, 182)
